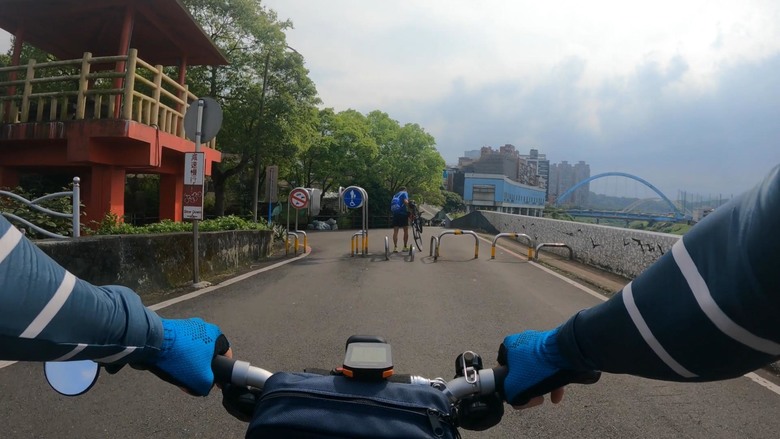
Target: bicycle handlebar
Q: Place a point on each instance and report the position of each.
(482, 382)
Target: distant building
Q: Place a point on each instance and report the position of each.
(497, 163)
(564, 176)
(538, 166)
(448, 178)
(502, 179)
(498, 193)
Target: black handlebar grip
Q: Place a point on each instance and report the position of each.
(499, 375)
(554, 381)
(223, 369)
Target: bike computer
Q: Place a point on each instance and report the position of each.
(370, 361)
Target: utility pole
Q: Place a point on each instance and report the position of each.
(256, 191)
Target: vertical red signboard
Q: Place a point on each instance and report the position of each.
(194, 163)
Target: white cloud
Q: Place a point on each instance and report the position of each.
(622, 85)
(670, 90)
(385, 51)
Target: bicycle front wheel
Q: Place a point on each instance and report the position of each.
(417, 233)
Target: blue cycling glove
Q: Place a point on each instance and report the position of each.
(536, 366)
(186, 353)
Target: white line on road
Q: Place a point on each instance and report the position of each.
(195, 294)
(751, 375)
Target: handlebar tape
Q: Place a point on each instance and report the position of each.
(223, 369)
(554, 381)
(499, 375)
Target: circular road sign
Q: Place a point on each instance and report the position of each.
(210, 123)
(299, 198)
(353, 197)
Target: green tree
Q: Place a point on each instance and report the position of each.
(407, 157)
(453, 202)
(265, 92)
(340, 153)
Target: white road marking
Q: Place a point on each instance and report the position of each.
(195, 294)
(751, 375)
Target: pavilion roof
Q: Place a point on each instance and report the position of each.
(163, 31)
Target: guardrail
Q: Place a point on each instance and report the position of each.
(434, 247)
(305, 239)
(553, 244)
(387, 249)
(73, 216)
(361, 245)
(287, 243)
(516, 236)
(455, 232)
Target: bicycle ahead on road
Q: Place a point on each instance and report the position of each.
(415, 222)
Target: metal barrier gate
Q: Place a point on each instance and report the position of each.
(435, 251)
(553, 244)
(513, 235)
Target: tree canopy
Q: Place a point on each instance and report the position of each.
(274, 116)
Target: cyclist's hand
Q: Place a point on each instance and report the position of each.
(536, 368)
(186, 353)
(240, 401)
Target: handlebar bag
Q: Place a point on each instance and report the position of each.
(305, 405)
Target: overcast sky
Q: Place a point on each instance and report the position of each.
(683, 93)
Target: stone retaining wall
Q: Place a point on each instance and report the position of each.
(153, 263)
(625, 252)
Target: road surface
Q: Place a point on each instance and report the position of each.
(300, 314)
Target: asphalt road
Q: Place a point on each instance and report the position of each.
(300, 314)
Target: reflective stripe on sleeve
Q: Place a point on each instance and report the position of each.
(711, 309)
(80, 347)
(9, 241)
(647, 335)
(52, 308)
(116, 357)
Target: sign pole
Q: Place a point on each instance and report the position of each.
(195, 249)
(203, 119)
(271, 188)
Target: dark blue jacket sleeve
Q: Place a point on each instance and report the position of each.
(707, 310)
(46, 313)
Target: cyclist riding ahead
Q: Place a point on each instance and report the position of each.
(400, 217)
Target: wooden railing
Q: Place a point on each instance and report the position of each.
(94, 88)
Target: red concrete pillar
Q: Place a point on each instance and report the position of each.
(8, 178)
(103, 192)
(171, 196)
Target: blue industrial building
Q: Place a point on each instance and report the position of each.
(499, 193)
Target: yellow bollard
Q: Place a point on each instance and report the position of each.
(493, 252)
(530, 253)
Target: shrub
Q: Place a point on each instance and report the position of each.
(110, 225)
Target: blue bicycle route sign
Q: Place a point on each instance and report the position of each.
(353, 197)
